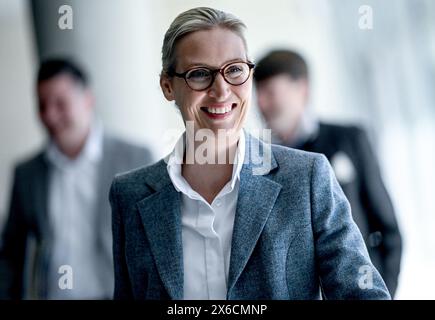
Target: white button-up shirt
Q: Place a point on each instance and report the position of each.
(207, 229)
(72, 212)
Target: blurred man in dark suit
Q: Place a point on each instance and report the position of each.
(57, 242)
(282, 82)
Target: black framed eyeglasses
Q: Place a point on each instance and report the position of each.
(202, 78)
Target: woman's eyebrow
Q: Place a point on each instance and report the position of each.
(202, 64)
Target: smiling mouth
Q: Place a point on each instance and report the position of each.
(219, 112)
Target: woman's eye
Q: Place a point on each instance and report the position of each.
(234, 71)
(198, 75)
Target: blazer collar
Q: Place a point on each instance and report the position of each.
(161, 216)
(258, 160)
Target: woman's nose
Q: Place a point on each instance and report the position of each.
(220, 89)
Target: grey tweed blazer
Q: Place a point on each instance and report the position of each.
(293, 237)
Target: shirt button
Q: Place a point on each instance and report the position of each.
(218, 203)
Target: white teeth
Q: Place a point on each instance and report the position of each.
(219, 110)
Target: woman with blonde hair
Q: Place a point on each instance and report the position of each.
(195, 226)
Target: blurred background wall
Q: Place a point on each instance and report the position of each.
(381, 78)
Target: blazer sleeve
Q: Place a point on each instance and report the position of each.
(380, 211)
(123, 288)
(343, 263)
(13, 246)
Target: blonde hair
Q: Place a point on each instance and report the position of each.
(197, 19)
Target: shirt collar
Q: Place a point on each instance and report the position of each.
(175, 159)
(91, 152)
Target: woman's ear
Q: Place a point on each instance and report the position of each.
(166, 85)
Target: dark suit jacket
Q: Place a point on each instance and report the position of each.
(27, 238)
(293, 233)
(371, 206)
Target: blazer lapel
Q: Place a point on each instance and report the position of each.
(106, 173)
(160, 214)
(37, 271)
(257, 196)
(161, 218)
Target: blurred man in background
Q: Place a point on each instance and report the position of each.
(282, 81)
(57, 240)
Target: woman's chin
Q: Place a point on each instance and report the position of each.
(223, 129)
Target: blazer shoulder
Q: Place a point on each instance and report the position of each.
(296, 167)
(294, 159)
(138, 183)
(31, 164)
(340, 130)
(120, 146)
